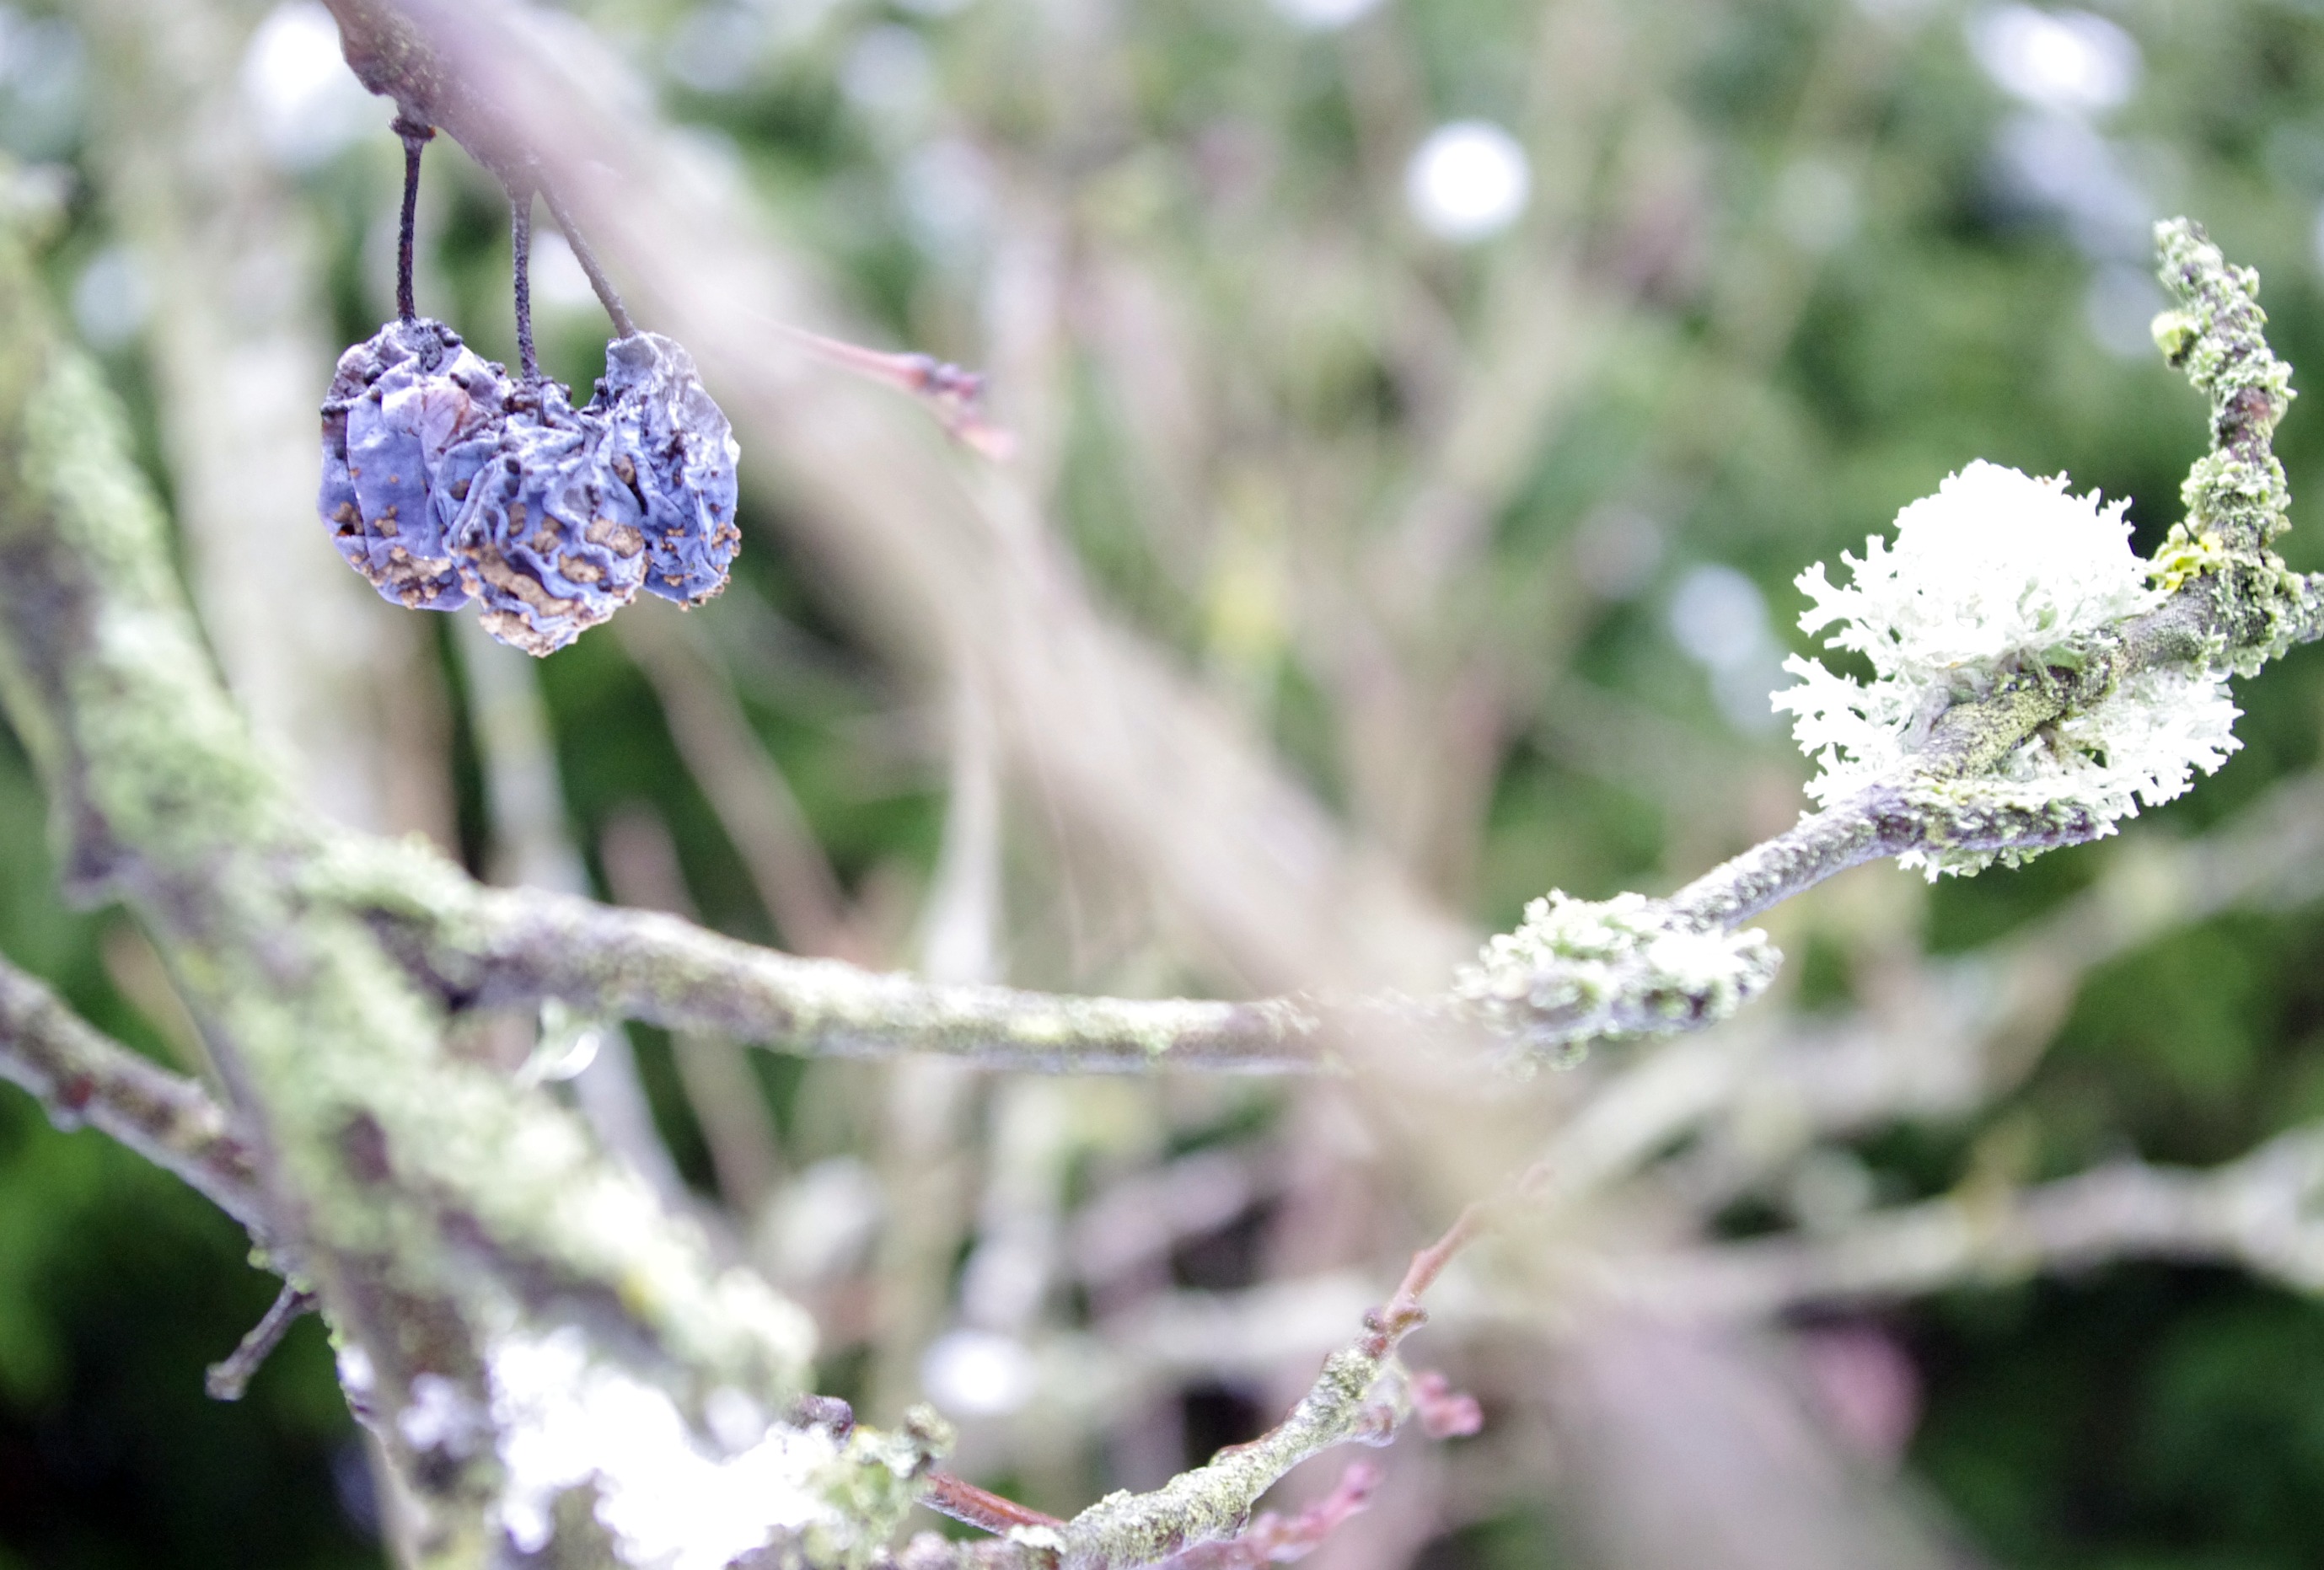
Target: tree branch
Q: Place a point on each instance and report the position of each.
(492, 947)
(2264, 1212)
(81, 1077)
(2232, 606)
(450, 1221)
(1571, 974)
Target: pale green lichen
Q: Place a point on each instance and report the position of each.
(1213, 1501)
(404, 1177)
(1576, 970)
(2185, 556)
(871, 1485)
(1999, 593)
(646, 966)
(2236, 496)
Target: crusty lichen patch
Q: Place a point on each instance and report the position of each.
(1576, 970)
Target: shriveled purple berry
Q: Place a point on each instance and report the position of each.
(548, 537)
(401, 404)
(674, 448)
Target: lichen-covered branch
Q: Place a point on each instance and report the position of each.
(2227, 604)
(1939, 806)
(454, 1225)
(1202, 1517)
(2231, 606)
(486, 946)
(82, 1078)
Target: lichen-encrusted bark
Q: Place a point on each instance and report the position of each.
(428, 1199)
(1215, 1500)
(2232, 606)
(501, 946)
(80, 1077)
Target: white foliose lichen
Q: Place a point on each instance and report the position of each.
(1999, 576)
(1576, 970)
(670, 1499)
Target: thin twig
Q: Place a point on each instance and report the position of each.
(416, 137)
(520, 241)
(964, 1501)
(1429, 1261)
(955, 395)
(227, 1379)
(80, 1077)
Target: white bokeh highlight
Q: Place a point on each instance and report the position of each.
(113, 298)
(306, 102)
(1322, 16)
(1718, 616)
(2067, 61)
(2056, 163)
(978, 1374)
(1467, 181)
(889, 74)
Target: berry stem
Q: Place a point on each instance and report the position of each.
(415, 136)
(520, 228)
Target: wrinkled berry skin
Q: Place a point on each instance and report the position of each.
(676, 451)
(549, 537)
(444, 482)
(406, 409)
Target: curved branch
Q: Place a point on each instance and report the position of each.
(2233, 606)
(1362, 1397)
(81, 1077)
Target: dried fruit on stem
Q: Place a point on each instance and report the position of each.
(445, 481)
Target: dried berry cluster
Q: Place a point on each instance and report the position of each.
(447, 481)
